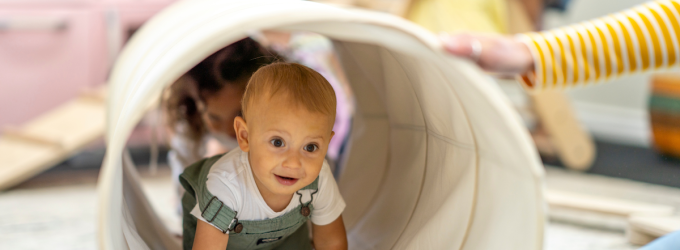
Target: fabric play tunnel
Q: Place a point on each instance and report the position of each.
(437, 158)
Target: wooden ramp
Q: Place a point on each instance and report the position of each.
(646, 221)
(644, 229)
(605, 205)
(51, 138)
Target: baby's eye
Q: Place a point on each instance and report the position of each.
(277, 143)
(311, 147)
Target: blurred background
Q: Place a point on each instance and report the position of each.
(619, 191)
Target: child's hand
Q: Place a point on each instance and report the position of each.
(331, 236)
(209, 238)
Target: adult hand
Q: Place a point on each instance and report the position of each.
(493, 53)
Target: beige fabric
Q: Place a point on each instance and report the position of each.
(437, 158)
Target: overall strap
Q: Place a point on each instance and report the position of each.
(212, 209)
(313, 186)
(306, 208)
(300, 214)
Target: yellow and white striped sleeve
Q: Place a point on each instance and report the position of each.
(636, 40)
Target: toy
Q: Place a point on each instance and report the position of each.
(437, 157)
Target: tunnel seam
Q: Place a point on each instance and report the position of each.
(476, 184)
(452, 141)
(372, 116)
(422, 182)
(445, 139)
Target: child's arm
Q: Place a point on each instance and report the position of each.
(208, 237)
(331, 236)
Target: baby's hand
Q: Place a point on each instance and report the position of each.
(331, 236)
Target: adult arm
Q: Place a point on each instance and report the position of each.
(636, 40)
(330, 236)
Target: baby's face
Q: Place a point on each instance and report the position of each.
(287, 145)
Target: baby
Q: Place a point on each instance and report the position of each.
(261, 194)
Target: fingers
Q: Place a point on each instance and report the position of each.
(459, 45)
(477, 48)
(494, 53)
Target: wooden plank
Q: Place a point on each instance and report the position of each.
(29, 150)
(606, 205)
(574, 145)
(97, 95)
(643, 229)
(72, 123)
(16, 134)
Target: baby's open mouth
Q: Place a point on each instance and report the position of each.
(288, 181)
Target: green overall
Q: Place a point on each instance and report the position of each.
(288, 231)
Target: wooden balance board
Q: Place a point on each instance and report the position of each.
(646, 221)
(51, 138)
(644, 229)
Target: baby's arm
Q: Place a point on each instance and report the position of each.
(330, 236)
(210, 238)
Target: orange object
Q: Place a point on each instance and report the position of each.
(664, 113)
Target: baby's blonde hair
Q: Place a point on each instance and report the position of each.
(303, 85)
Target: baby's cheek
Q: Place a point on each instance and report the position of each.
(314, 167)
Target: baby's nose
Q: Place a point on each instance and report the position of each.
(293, 160)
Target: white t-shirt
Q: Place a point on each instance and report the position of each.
(231, 180)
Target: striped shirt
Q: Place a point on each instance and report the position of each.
(636, 40)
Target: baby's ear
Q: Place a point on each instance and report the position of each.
(241, 129)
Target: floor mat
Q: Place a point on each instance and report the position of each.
(634, 163)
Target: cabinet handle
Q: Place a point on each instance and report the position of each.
(33, 24)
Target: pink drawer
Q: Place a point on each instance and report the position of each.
(47, 56)
(132, 14)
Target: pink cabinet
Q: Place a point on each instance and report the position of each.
(51, 50)
(46, 57)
